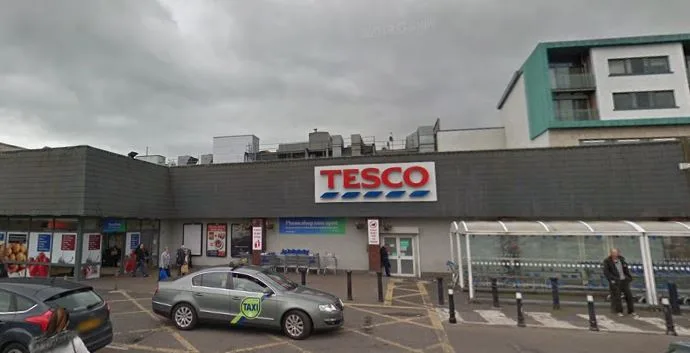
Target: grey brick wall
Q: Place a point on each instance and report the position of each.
(601, 182)
(118, 186)
(42, 182)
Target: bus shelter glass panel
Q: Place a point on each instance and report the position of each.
(530, 261)
(671, 263)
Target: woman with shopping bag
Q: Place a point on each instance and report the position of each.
(164, 265)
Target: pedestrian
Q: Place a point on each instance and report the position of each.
(142, 256)
(385, 261)
(165, 261)
(617, 273)
(183, 260)
(57, 338)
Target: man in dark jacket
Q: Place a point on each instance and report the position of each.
(617, 273)
(142, 256)
(385, 261)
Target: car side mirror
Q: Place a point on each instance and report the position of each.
(268, 292)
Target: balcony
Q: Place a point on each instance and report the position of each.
(576, 114)
(572, 82)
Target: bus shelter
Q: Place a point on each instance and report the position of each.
(528, 254)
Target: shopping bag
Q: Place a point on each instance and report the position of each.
(162, 274)
(184, 269)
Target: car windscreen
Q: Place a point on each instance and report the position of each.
(280, 280)
(76, 300)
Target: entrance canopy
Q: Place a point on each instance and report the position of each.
(571, 228)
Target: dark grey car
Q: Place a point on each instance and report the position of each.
(247, 296)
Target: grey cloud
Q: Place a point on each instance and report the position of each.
(171, 74)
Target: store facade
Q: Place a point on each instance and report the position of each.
(325, 206)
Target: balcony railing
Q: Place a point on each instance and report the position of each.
(576, 114)
(572, 81)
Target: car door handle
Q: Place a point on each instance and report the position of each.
(236, 298)
(198, 295)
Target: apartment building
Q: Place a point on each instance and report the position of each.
(603, 91)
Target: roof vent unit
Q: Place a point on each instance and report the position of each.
(206, 159)
(187, 160)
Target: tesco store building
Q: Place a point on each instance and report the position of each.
(79, 205)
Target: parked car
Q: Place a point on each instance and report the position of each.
(679, 347)
(25, 310)
(247, 296)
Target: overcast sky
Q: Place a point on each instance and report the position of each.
(171, 74)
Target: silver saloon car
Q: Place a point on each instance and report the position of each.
(247, 296)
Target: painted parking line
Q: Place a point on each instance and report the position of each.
(439, 330)
(547, 320)
(130, 313)
(175, 334)
(390, 287)
(126, 300)
(496, 317)
(661, 324)
(604, 322)
(263, 346)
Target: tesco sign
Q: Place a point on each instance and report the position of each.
(384, 182)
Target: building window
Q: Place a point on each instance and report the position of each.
(644, 100)
(639, 66)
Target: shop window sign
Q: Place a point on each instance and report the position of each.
(312, 225)
(113, 226)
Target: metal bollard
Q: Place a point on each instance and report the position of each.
(670, 327)
(673, 298)
(520, 314)
(451, 307)
(555, 294)
(494, 292)
(349, 285)
(303, 274)
(439, 283)
(592, 315)
(379, 280)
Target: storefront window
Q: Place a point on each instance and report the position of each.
(41, 224)
(133, 225)
(92, 224)
(4, 223)
(66, 225)
(18, 224)
(149, 224)
(240, 240)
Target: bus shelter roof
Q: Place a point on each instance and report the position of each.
(544, 228)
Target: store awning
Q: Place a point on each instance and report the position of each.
(545, 228)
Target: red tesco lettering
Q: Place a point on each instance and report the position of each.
(372, 178)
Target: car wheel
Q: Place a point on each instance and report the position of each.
(15, 348)
(297, 325)
(184, 316)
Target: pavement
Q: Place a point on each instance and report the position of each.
(407, 320)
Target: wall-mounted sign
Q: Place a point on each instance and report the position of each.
(312, 225)
(373, 231)
(384, 182)
(91, 255)
(111, 225)
(257, 238)
(216, 240)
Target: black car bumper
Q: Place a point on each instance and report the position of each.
(98, 338)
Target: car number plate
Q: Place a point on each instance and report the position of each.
(89, 325)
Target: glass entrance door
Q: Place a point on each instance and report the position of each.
(401, 255)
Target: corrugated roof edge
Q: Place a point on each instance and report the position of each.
(84, 147)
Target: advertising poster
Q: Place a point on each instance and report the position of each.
(91, 255)
(312, 226)
(216, 240)
(2, 238)
(241, 241)
(64, 248)
(16, 248)
(40, 247)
